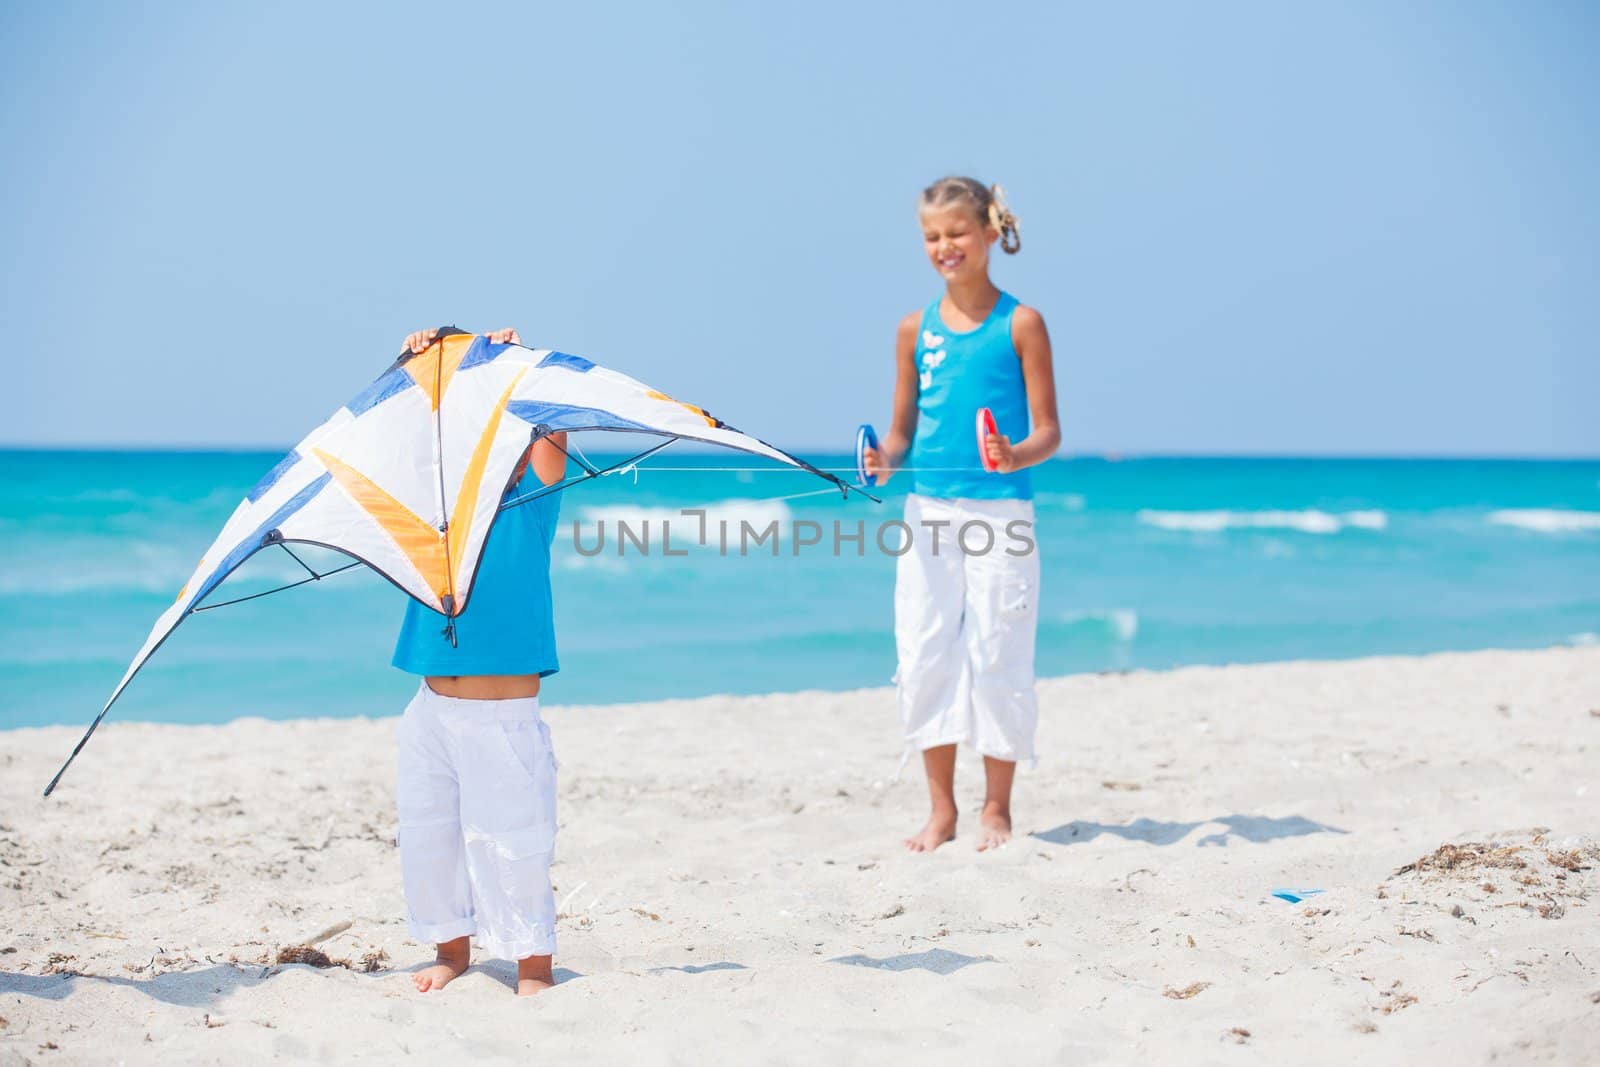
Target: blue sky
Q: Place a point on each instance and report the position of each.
(1360, 228)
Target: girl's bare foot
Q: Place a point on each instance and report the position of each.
(533, 975)
(940, 827)
(940, 763)
(995, 822)
(449, 963)
(994, 827)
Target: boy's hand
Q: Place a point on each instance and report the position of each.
(417, 343)
(998, 447)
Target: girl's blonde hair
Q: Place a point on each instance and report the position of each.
(988, 203)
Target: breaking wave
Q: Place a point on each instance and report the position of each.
(1122, 624)
(1065, 501)
(1547, 520)
(1312, 521)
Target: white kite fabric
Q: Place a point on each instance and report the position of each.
(409, 476)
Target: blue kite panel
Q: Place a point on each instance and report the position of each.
(480, 351)
(270, 479)
(572, 417)
(245, 548)
(390, 383)
(566, 359)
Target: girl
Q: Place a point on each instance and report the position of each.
(477, 774)
(965, 620)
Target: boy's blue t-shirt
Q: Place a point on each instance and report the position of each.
(509, 624)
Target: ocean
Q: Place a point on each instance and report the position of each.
(1148, 564)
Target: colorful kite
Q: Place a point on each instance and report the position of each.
(408, 477)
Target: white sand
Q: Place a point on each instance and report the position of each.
(721, 860)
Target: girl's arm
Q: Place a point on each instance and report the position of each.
(885, 461)
(1032, 342)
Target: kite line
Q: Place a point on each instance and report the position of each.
(591, 472)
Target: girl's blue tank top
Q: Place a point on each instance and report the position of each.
(508, 626)
(959, 373)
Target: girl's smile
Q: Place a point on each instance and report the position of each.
(956, 244)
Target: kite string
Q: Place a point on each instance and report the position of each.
(795, 496)
(787, 470)
(587, 464)
(589, 473)
(628, 466)
(545, 433)
(759, 500)
(582, 456)
(634, 468)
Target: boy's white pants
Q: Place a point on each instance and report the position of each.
(964, 626)
(477, 795)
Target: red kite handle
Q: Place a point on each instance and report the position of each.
(986, 429)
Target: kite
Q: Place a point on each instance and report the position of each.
(408, 477)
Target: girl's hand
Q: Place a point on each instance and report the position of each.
(877, 470)
(417, 343)
(507, 336)
(998, 447)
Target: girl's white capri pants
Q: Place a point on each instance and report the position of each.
(477, 795)
(965, 619)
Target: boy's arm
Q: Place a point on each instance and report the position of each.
(548, 458)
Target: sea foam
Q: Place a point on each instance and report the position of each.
(1121, 623)
(1065, 501)
(1312, 521)
(1547, 520)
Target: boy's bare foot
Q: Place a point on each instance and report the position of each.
(994, 827)
(449, 963)
(940, 827)
(533, 975)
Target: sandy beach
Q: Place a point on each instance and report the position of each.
(732, 887)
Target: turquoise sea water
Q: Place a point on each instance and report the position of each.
(1148, 563)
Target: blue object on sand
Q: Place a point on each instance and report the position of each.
(1295, 896)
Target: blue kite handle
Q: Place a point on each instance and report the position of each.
(866, 437)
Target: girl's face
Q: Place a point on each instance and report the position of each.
(957, 243)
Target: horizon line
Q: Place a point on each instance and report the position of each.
(701, 448)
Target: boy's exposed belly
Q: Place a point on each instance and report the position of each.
(484, 686)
